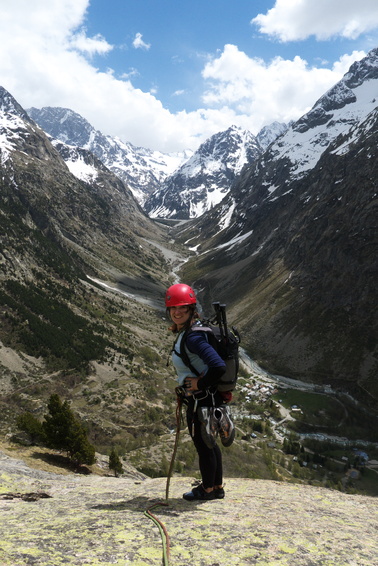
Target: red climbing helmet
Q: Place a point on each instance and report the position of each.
(180, 294)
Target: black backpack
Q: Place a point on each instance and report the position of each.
(225, 342)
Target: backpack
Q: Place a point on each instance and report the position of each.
(225, 342)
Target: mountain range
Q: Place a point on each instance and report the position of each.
(142, 169)
(67, 208)
(182, 185)
(80, 266)
(291, 248)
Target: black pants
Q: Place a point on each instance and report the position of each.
(210, 459)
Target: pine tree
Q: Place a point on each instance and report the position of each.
(58, 423)
(80, 449)
(32, 426)
(115, 463)
(64, 432)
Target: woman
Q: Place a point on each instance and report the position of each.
(200, 393)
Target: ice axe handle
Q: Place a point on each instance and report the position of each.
(224, 318)
(218, 315)
(216, 306)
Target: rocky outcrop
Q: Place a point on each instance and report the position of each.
(93, 519)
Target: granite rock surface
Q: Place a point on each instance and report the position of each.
(98, 520)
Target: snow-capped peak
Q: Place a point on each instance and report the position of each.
(339, 109)
(205, 179)
(143, 170)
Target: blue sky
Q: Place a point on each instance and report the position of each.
(167, 74)
(178, 37)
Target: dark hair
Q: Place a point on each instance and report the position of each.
(192, 309)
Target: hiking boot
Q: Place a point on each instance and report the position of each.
(219, 493)
(199, 494)
(226, 426)
(209, 426)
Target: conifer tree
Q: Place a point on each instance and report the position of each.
(58, 423)
(32, 426)
(64, 432)
(115, 463)
(80, 449)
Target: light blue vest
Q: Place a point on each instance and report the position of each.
(182, 370)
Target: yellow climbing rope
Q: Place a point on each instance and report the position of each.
(158, 523)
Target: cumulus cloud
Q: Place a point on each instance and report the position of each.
(46, 59)
(138, 42)
(260, 92)
(290, 21)
(90, 45)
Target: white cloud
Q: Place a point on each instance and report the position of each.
(138, 42)
(132, 72)
(46, 60)
(292, 20)
(90, 45)
(260, 92)
(342, 65)
(40, 65)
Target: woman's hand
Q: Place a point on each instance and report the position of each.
(191, 384)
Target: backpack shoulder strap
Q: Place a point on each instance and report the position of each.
(184, 354)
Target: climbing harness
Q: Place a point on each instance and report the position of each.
(163, 531)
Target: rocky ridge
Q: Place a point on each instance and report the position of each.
(141, 169)
(96, 216)
(182, 185)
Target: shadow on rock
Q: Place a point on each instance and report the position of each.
(142, 503)
(61, 462)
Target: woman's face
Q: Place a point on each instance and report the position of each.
(179, 315)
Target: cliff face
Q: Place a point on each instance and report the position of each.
(100, 520)
(316, 279)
